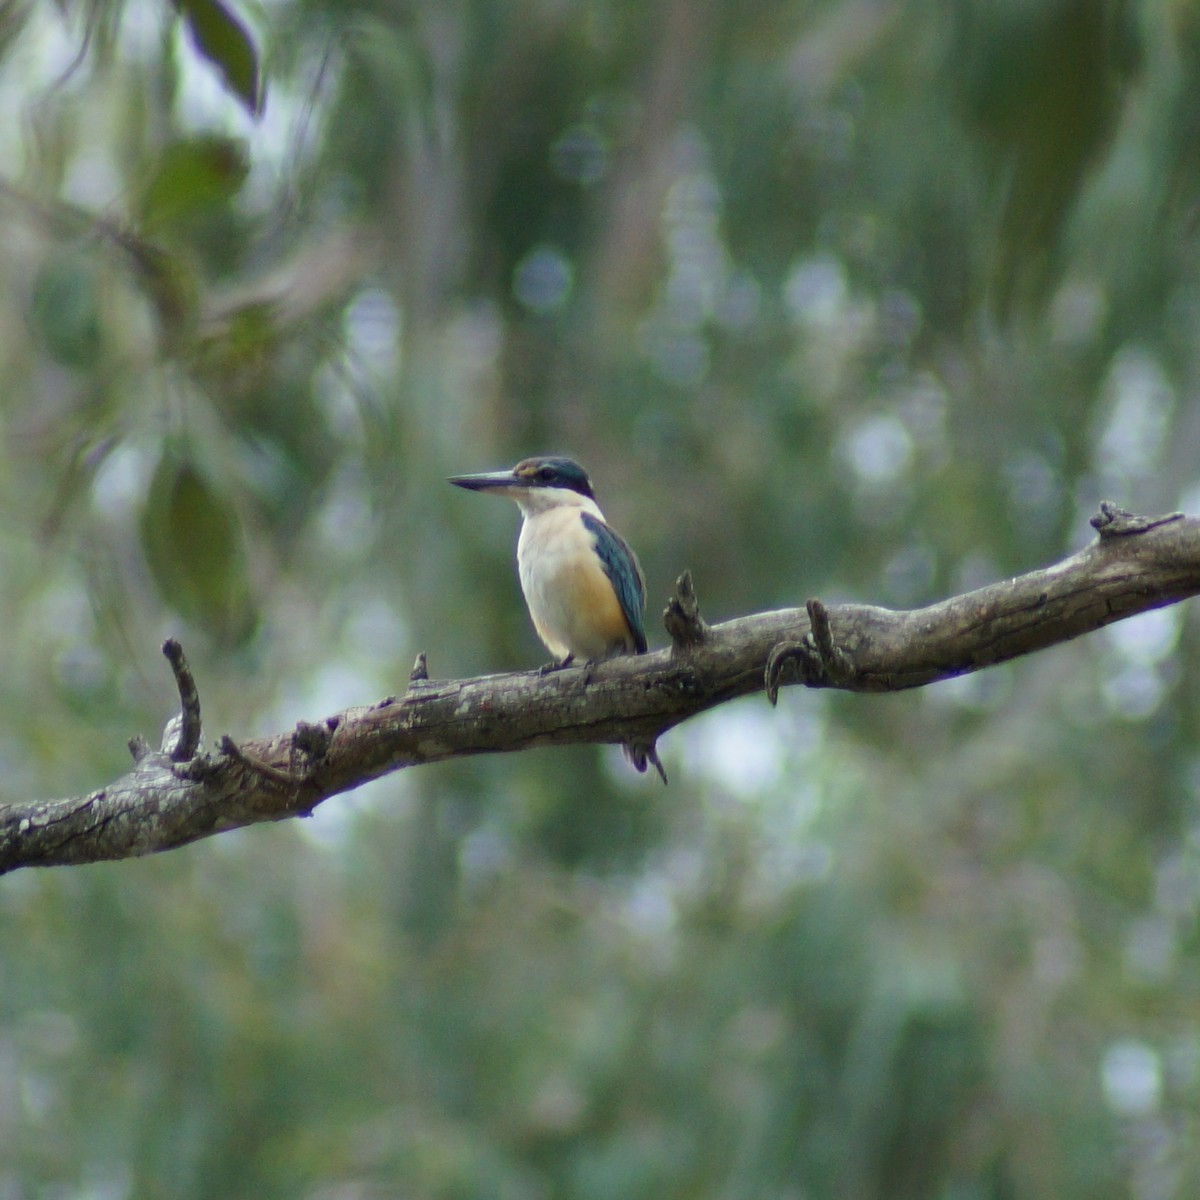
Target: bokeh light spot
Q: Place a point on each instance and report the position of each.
(543, 279)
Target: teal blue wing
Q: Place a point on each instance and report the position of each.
(622, 567)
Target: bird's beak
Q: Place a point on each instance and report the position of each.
(490, 481)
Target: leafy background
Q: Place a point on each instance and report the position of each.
(851, 298)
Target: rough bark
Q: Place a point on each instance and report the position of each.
(181, 792)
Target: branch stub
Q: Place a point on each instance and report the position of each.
(682, 615)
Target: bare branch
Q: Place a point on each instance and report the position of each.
(1134, 565)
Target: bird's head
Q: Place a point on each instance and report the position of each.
(535, 483)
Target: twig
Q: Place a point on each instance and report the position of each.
(188, 741)
(682, 615)
(1112, 521)
(836, 666)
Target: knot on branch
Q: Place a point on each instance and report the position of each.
(1112, 521)
(267, 772)
(310, 746)
(816, 660)
(682, 616)
(312, 740)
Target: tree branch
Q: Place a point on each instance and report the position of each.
(181, 793)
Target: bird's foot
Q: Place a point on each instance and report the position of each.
(557, 665)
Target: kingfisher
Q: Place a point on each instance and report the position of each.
(583, 585)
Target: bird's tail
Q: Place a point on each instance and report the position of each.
(643, 754)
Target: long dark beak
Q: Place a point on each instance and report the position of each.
(490, 481)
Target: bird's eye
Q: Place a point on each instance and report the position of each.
(545, 474)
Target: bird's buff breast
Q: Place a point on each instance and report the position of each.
(570, 597)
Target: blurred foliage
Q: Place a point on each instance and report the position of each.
(193, 546)
(849, 298)
(221, 38)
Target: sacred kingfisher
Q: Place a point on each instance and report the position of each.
(583, 584)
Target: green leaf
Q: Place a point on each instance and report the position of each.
(195, 549)
(66, 311)
(222, 38)
(194, 175)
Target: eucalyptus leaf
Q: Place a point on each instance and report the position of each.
(221, 37)
(195, 548)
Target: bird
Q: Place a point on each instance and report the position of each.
(583, 585)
